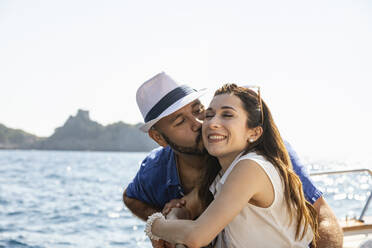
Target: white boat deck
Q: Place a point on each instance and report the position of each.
(358, 241)
(356, 233)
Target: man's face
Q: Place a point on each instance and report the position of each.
(182, 129)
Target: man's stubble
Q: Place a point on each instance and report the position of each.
(197, 150)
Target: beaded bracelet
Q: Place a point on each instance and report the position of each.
(149, 222)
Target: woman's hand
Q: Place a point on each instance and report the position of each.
(175, 209)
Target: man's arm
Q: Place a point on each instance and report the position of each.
(140, 209)
(330, 231)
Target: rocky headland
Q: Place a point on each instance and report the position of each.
(81, 133)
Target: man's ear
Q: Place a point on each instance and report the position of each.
(157, 137)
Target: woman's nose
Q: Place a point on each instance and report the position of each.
(212, 123)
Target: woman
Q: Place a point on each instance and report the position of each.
(258, 199)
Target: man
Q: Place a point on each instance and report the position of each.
(173, 117)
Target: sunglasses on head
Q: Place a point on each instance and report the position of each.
(258, 89)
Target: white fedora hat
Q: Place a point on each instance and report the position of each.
(161, 96)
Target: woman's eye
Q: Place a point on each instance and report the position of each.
(208, 116)
(227, 115)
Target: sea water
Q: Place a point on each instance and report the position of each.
(74, 199)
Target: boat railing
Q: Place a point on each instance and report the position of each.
(365, 208)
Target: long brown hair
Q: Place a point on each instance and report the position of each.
(272, 147)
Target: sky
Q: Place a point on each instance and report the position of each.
(313, 60)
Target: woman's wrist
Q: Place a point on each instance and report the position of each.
(150, 222)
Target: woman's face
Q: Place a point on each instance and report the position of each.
(225, 130)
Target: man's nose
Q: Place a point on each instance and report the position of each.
(196, 124)
(201, 116)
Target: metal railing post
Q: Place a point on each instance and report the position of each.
(365, 206)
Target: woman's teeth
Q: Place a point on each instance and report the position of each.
(216, 137)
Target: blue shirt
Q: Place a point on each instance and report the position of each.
(157, 181)
(311, 192)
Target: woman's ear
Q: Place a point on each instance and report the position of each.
(255, 134)
(157, 137)
(258, 131)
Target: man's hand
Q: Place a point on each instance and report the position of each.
(179, 213)
(157, 244)
(175, 203)
(161, 244)
(165, 244)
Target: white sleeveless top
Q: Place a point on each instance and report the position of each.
(260, 227)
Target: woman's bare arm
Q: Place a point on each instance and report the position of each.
(245, 181)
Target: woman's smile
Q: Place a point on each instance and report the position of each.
(225, 131)
(215, 138)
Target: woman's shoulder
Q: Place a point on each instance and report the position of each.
(249, 159)
(262, 162)
(254, 156)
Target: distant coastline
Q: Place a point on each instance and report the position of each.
(80, 133)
